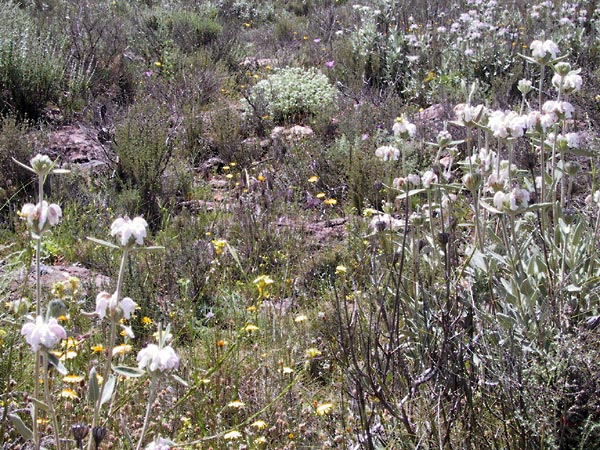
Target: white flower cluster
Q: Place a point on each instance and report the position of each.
(387, 153)
(514, 200)
(42, 216)
(128, 231)
(43, 334)
(153, 358)
(107, 304)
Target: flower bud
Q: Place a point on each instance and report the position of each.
(41, 164)
(525, 86)
(471, 181)
(562, 68)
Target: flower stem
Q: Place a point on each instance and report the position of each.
(151, 396)
(109, 350)
(48, 401)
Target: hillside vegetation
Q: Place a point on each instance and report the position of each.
(299, 224)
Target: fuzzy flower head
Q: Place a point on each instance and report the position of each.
(468, 116)
(387, 153)
(159, 444)
(41, 164)
(429, 178)
(156, 359)
(525, 86)
(562, 110)
(109, 305)
(403, 128)
(512, 201)
(42, 216)
(567, 83)
(129, 231)
(543, 52)
(43, 334)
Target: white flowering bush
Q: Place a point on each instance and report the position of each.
(293, 93)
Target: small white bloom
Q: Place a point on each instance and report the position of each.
(384, 221)
(154, 358)
(41, 164)
(41, 216)
(543, 52)
(562, 110)
(403, 128)
(525, 86)
(129, 231)
(43, 335)
(387, 153)
(159, 444)
(428, 178)
(107, 304)
(413, 179)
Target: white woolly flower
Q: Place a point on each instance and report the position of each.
(43, 334)
(516, 199)
(153, 358)
(467, 115)
(41, 164)
(107, 304)
(497, 125)
(543, 52)
(129, 231)
(41, 216)
(568, 83)
(428, 178)
(404, 128)
(159, 444)
(387, 153)
(562, 110)
(525, 86)
(384, 221)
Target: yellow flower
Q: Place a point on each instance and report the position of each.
(70, 343)
(330, 201)
(232, 435)
(313, 352)
(261, 178)
(98, 348)
(237, 404)
(70, 354)
(219, 245)
(221, 343)
(313, 179)
(69, 394)
(259, 425)
(73, 378)
(74, 284)
(122, 349)
(251, 308)
(321, 195)
(146, 321)
(158, 64)
(250, 328)
(341, 270)
(323, 408)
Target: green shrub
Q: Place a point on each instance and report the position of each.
(144, 145)
(15, 179)
(293, 93)
(32, 66)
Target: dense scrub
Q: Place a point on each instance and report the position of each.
(365, 225)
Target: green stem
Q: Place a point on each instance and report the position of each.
(36, 393)
(111, 345)
(48, 401)
(148, 409)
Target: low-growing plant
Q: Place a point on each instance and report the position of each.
(292, 94)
